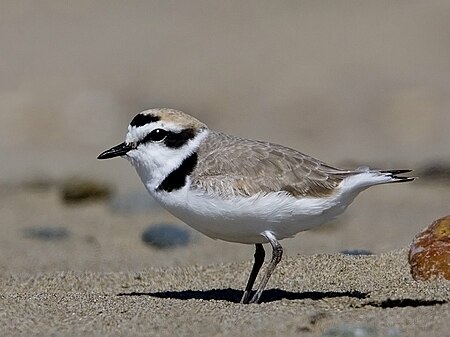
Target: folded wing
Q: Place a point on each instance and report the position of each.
(232, 166)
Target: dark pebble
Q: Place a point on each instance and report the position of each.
(75, 190)
(46, 233)
(165, 236)
(356, 252)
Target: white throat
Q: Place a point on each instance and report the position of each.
(155, 163)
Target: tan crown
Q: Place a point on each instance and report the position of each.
(176, 116)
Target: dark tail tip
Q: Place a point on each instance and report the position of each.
(396, 175)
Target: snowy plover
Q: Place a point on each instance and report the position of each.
(236, 189)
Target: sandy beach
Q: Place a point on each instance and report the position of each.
(308, 296)
(351, 83)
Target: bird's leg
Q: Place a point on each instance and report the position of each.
(277, 253)
(259, 260)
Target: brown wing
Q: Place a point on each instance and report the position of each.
(230, 165)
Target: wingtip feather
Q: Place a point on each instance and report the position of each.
(396, 175)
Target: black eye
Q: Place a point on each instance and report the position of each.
(156, 135)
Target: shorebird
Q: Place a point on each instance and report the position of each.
(236, 189)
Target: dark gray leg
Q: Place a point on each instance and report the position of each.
(259, 260)
(277, 253)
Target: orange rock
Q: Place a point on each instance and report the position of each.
(429, 254)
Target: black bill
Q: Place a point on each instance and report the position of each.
(116, 151)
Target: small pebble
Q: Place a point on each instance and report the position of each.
(348, 330)
(429, 254)
(46, 233)
(165, 236)
(75, 190)
(356, 252)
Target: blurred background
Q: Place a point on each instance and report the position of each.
(352, 83)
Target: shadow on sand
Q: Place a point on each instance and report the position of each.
(233, 295)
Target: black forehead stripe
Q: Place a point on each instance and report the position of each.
(177, 178)
(175, 140)
(141, 120)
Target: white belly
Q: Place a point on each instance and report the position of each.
(244, 219)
